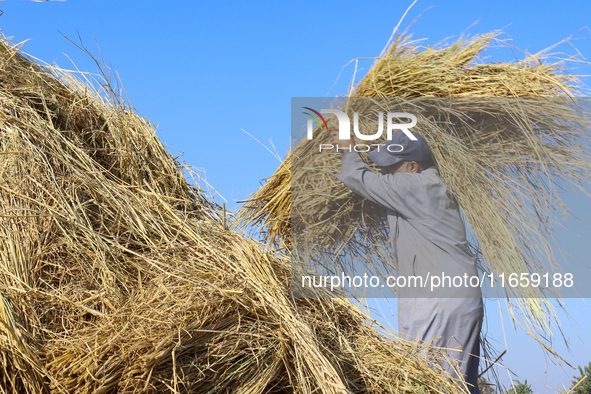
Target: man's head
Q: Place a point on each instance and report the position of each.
(401, 154)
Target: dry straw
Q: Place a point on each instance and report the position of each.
(269, 208)
(507, 179)
(118, 276)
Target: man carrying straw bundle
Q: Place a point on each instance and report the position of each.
(428, 237)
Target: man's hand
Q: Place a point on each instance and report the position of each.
(334, 139)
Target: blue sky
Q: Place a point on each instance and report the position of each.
(203, 71)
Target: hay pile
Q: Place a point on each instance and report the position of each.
(117, 276)
(507, 180)
(269, 208)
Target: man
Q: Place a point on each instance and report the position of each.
(428, 239)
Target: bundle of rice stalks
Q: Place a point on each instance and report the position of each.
(118, 276)
(455, 70)
(506, 178)
(269, 208)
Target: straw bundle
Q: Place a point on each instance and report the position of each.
(269, 208)
(506, 179)
(117, 276)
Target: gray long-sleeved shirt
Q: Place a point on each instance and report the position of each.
(428, 238)
(427, 233)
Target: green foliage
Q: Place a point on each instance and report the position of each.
(520, 388)
(585, 386)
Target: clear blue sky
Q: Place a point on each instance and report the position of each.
(202, 71)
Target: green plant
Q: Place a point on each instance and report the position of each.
(520, 388)
(585, 386)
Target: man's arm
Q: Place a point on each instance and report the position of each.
(400, 192)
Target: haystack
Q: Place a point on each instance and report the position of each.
(507, 181)
(118, 276)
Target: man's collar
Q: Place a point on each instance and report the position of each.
(430, 170)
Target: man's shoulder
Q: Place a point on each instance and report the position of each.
(430, 180)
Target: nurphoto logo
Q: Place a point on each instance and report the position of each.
(345, 128)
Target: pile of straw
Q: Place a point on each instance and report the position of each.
(507, 181)
(118, 276)
(269, 208)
